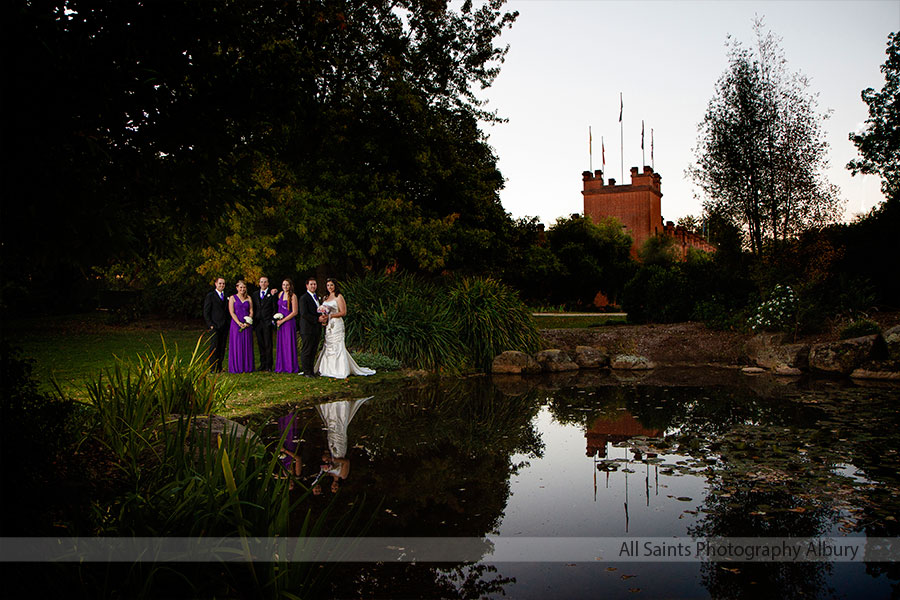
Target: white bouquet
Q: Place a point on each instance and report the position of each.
(277, 316)
(248, 320)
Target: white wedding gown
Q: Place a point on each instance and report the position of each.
(336, 416)
(334, 360)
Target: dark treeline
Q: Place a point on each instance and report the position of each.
(150, 146)
(161, 143)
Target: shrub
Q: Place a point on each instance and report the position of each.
(38, 432)
(777, 313)
(659, 294)
(451, 324)
(490, 319)
(860, 328)
(376, 361)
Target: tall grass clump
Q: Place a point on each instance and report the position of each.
(404, 318)
(450, 324)
(132, 401)
(490, 319)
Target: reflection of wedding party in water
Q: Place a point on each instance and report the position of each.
(334, 463)
(273, 317)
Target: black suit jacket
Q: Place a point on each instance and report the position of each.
(215, 311)
(263, 309)
(309, 318)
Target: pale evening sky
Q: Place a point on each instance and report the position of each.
(569, 60)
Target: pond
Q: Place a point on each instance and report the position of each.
(535, 468)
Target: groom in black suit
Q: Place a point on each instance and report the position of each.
(310, 326)
(265, 303)
(215, 311)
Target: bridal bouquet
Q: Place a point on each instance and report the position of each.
(277, 316)
(324, 309)
(248, 320)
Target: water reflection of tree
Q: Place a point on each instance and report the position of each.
(769, 505)
(705, 412)
(435, 462)
(441, 457)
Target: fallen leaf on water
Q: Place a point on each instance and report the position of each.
(634, 590)
(628, 576)
(612, 569)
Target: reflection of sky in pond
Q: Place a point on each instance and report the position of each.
(555, 495)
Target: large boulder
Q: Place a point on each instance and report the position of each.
(589, 357)
(845, 356)
(892, 339)
(630, 362)
(554, 361)
(513, 361)
(768, 350)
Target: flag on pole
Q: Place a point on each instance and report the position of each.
(590, 149)
(642, 134)
(651, 146)
(621, 106)
(603, 152)
(590, 139)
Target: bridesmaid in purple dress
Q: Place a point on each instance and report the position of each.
(240, 338)
(286, 341)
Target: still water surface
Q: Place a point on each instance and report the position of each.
(684, 453)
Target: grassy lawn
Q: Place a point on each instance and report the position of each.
(73, 349)
(563, 322)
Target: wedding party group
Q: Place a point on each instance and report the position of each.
(271, 316)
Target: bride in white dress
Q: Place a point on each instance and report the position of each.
(334, 360)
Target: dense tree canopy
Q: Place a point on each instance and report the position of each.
(762, 148)
(593, 257)
(172, 140)
(879, 142)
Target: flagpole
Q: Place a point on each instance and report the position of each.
(652, 164)
(590, 151)
(643, 154)
(621, 140)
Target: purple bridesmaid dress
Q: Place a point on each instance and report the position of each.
(286, 343)
(240, 342)
(291, 439)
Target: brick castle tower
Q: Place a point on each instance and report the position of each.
(638, 207)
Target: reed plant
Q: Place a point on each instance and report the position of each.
(187, 473)
(132, 401)
(448, 325)
(491, 319)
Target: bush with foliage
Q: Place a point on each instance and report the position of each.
(450, 324)
(859, 328)
(39, 431)
(777, 313)
(490, 319)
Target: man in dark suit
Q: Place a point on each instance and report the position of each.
(310, 326)
(265, 304)
(215, 311)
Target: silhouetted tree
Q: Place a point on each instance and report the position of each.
(762, 147)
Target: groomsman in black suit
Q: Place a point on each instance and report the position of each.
(215, 311)
(265, 304)
(310, 326)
